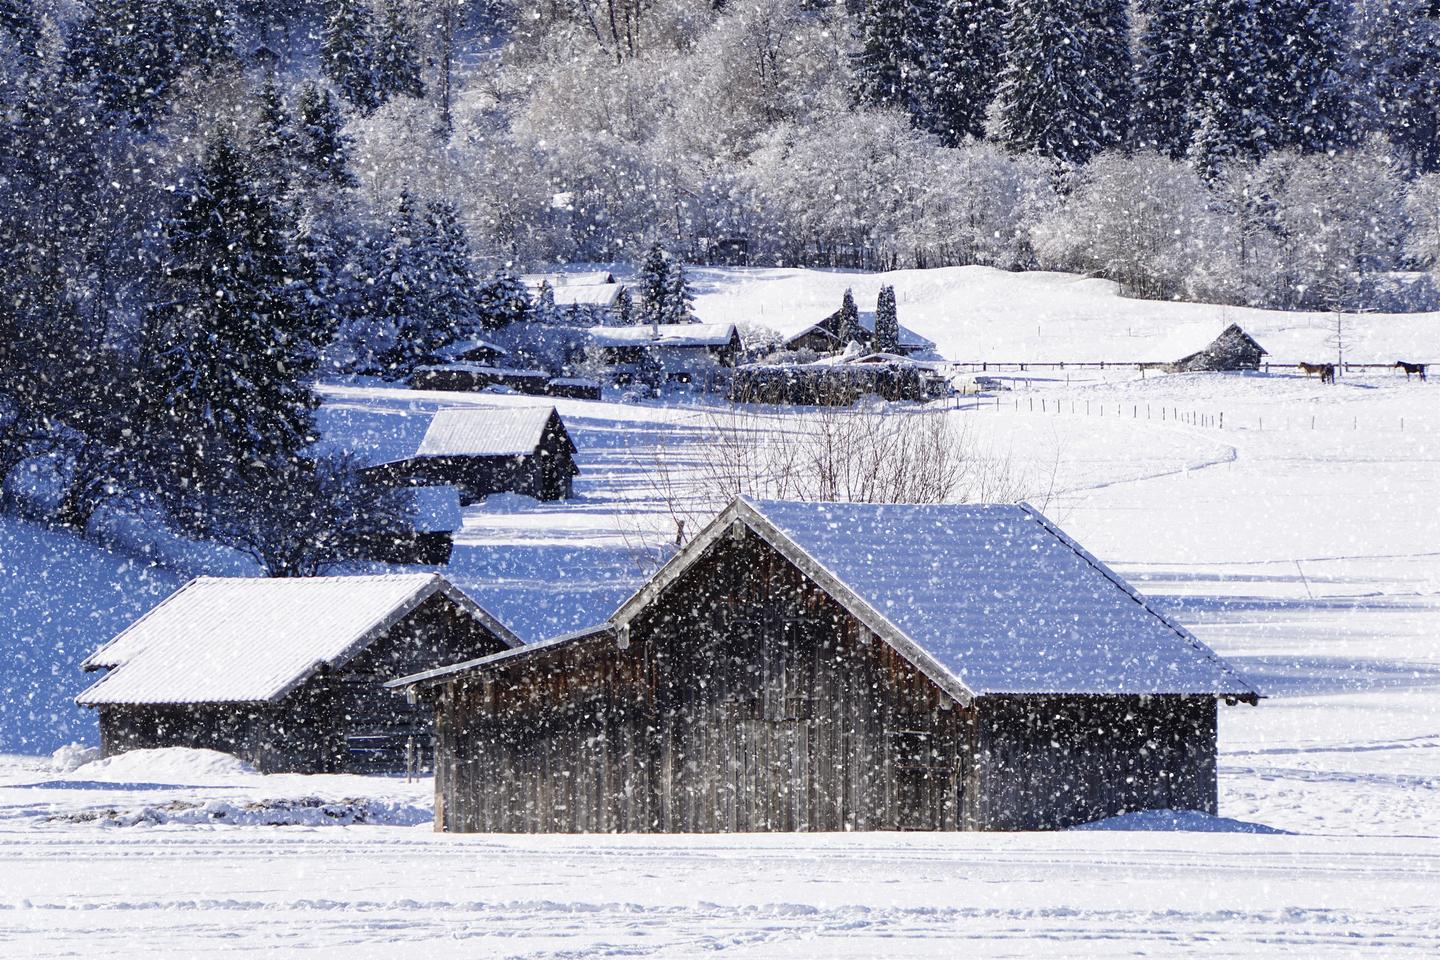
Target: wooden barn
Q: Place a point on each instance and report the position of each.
(485, 450)
(825, 336)
(289, 673)
(1233, 350)
(812, 666)
(434, 515)
(465, 377)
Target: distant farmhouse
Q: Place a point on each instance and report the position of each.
(825, 336)
(582, 298)
(485, 450)
(1233, 350)
(286, 673)
(810, 666)
(678, 351)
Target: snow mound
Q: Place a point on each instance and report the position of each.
(278, 812)
(73, 756)
(1178, 821)
(164, 765)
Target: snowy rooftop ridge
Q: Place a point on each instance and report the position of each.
(485, 432)
(252, 640)
(986, 599)
(664, 335)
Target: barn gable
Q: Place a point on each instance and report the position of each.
(983, 599)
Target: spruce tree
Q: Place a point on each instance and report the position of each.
(1304, 73)
(234, 352)
(625, 314)
(965, 69)
(451, 273)
(503, 299)
(1109, 36)
(848, 326)
(396, 60)
(321, 143)
(1231, 115)
(653, 280)
(891, 69)
(1164, 77)
(404, 328)
(1395, 72)
(887, 322)
(1051, 100)
(678, 306)
(346, 53)
(273, 143)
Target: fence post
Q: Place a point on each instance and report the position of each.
(1222, 419)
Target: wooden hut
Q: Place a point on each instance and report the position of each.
(826, 336)
(286, 673)
(433, 515)
(1234, 349)
(810, 666)
(485, 450)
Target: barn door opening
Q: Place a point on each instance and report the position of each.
(923, 781)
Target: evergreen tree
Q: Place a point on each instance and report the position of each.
(624, 307)
(1304, 73)
(1231, 115)
(1395, 72)
(346, 53)
(887, 322)
(274, 143)
(848, 327)
(891, 68)
(1109, 35)
(232, 351)
(678, 306)
(543, 309)
(502, 300)
(1051, 100)
(405, 328)
(653, 281)
(968, 55)
(396, 58)
(321, 143)
(1164, 75)
(451, 274)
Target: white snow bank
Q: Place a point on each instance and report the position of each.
(164, 765)
(72, 756)
(1178, 821)
(275, 812)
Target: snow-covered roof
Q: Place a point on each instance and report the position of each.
(665, 335)
(909, 339)
(486, 431)
(250, 640)
(460, 348)
(594, 288)
(465, 366)
(984, 599)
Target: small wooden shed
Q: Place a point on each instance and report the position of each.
(812, 666)
(485, 450)
(288, 674)
(1233, 350)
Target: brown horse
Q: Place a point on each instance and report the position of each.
(1410, 368)
(1325, 370)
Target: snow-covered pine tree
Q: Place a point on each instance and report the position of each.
(404, 327)
(543, 309)
(321, 143)
(503, 299)
(848, 327)
(678, 305)
(887, 322)
(347, 52)
(1164, 77)
(965, 68)
(396, 56)
(1109, 33)
(624, 307)
(653, 281)
(452, 274)
(1394, 68)
(273, 143)
(891, 67)
(1304, 73)
(232, 351)
(1051, 99)
(1231, 113)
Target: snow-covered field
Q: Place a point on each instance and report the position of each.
(1302, 541)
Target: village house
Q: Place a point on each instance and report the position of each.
(583, 297)
(813, 666)
(287, 673)
(825, 336)
(679, 351)
(485, 450)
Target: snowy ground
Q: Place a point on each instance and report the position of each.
(1302, 541)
